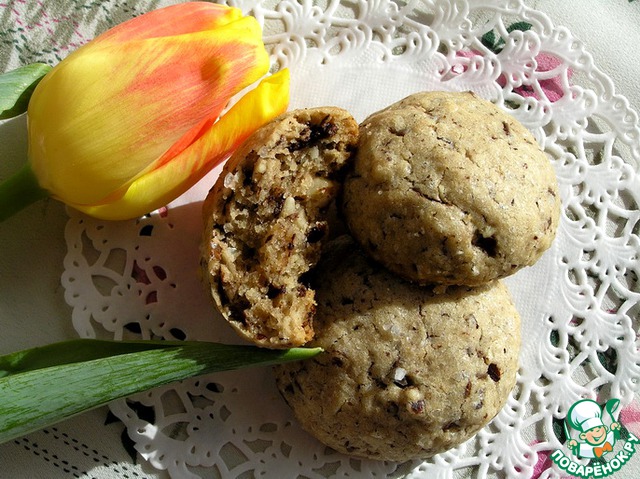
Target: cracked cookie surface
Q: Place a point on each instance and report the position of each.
(266, 220)
(447, 188)
(408, 371)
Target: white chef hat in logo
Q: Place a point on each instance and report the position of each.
(585, 414)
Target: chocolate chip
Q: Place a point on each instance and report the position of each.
(316, 233)
(247, 172)
(494, 372)
(237, 310)
(274, 291)
(222, 293)
(277, 200)
(467, 389)
(313, 133)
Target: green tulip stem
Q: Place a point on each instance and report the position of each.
(18, 192)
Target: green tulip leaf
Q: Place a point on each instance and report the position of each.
(42, 386)
(16, 87)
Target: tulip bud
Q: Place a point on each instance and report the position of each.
(132, 119)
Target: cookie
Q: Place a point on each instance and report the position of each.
(266, 220)
(447, 188)
(407, 371)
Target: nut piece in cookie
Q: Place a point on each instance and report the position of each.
(407, 372)
(447, 188)
(266, 221)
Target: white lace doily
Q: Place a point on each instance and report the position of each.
(579, 304)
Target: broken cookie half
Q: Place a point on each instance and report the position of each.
(266, 219)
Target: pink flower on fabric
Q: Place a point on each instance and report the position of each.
(630, 417)
(544, 462)
(551, 87)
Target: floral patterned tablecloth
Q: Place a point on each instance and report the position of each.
(32, 246)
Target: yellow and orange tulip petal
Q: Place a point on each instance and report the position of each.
(122, 121)
(171, 21)
(169, 179)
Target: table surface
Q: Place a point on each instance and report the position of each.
(32, 248)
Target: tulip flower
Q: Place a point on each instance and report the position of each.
(133, 119)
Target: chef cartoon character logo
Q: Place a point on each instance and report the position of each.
(595, 439)
(592, 432)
